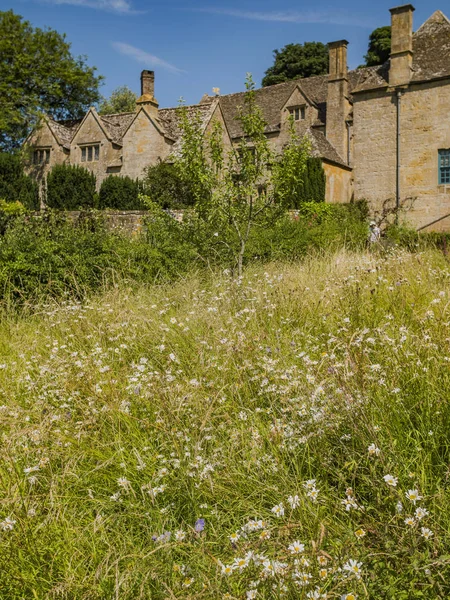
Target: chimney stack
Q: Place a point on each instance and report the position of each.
(147, 98)
(338, 105)
(148, 83)
(401, 45)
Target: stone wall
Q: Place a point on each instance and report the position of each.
(425, 129)
(338, 183)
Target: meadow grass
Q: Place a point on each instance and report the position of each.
(281, 436)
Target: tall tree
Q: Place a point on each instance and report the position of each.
(122, 100)
(297, 60)
(379, 46)
(38, 74)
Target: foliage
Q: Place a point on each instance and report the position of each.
(248, 187)
(297, 60)
(121, 193)
(15, 186)
(8, 212)
(39, 75)
(122, 100)
(313, 187)
(70, 187)
(54, 256)
(165, 185)
(379, 46)
(284, 436)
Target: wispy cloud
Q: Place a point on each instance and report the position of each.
(326, 17)
(116, 6)
(150, 60)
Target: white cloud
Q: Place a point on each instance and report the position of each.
(117, 6)
(326, 17)
(140, 56)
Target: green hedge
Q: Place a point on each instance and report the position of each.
(121, 193)
(70, 187)
(164, 185)
(15, 186)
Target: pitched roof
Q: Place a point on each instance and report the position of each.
(321, 147)
(64, 130)
(116, 125)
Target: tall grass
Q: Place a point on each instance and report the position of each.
(283, 436)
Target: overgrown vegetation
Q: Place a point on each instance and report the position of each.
(15, 185)
(120, 193)
(283, 436)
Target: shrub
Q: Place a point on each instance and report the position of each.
(8, 212)
(15, 185)
(165, 185)
(121, 193)
(70, 187)
(313, 186)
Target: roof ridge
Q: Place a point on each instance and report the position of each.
(437, 17)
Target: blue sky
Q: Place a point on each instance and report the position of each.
(195, 46)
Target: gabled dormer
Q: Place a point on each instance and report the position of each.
(299, 107)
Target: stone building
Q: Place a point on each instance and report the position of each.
(383, 133)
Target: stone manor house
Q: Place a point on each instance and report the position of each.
(383, 133)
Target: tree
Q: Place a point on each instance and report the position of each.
(15, 185)
(70, 187)
(247, 188)
(120, 193)
(379, 46)
(122, 100)
(39, 75)
(297, 60)
(164, 185)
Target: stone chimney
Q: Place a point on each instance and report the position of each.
(147, 98)
(401, 45)
(338, 105)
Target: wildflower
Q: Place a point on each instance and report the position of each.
(251, 594)
(188, 582)
(426, 533)
(227, 569)
(313, 494)
(353, 567)
(315, 594)
(123, 482)
(349, 503)
(349, 596)
(264, 535)
(413, 495)
(399, 507)
(360, 533)
(234, 537)
(240, 563)
(268, 570)
(391, 480)
(7, 524)
(410, 521)
(323, 573)
(322, 560)
(303, 578)
(180, 535)
(278, 510)
(310, 484)
(294, 501)
(296, 548)
(373, 450)
(421, 513)
(199, 525)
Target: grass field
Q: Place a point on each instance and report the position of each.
(283, 436)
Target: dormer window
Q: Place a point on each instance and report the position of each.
(298, 112)
(90, 153)
(41, 156)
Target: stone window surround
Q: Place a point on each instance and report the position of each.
(41, 156)
(298, 112)
(444, 166)
(90, 152)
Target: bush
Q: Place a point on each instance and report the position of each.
(70, 187)
(164, 184)
(314, 184)
(15, 186)
(121, 193)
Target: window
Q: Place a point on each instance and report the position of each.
(90, 153)
(41, 156)
(444, 167)
(298, 112)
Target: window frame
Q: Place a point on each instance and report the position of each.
(90, 152)
(444, 166)
(41, 156)
(298, 112)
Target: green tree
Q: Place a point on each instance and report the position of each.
(246, 188)
(70, 187)
(297, 60)
(122, 100)
(15, 185)
(379, 46)
(39, 75)
(165, 185)
(121, 193)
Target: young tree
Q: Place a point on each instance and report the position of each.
(122, 100)
(379, 46)
(39, 75)
(297, 60)
(249, 186)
